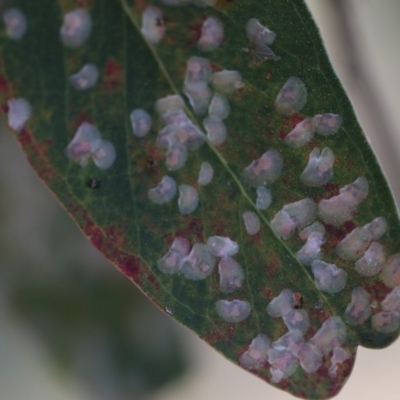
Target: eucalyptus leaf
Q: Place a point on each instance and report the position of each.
(208, 150)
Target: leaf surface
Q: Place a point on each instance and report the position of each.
(115, 210)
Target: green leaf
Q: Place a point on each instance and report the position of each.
(135, 226)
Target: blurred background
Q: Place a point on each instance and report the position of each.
(73, 328)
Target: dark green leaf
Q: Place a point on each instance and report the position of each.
(114, 207)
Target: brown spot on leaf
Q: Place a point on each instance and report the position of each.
(193, 230)
(84, 3)
(335, 234)
(140, 6)
(82, 117)
(332, 189)
(377, 290)
(5, 87)
(113, 75)
(267, 293)
(293, 120)
(321, 314)
(4, 108)
(257, 239)
(225, 334)
(272, 265)
(213, 337)
(195, 29)
(224, 4)
(152, 151)
(129, 266)
(219, 228)
(282, 134)
(289, 124)
(349, 226)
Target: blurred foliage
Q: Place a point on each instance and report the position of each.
(97, 327)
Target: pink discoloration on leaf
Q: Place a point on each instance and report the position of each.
(40, 152)
(129, 265)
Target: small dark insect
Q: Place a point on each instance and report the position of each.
(93, 184)
(298, 300)
(151, 164)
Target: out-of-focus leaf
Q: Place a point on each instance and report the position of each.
(96, 328)
(102, 333)
(285, 102)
